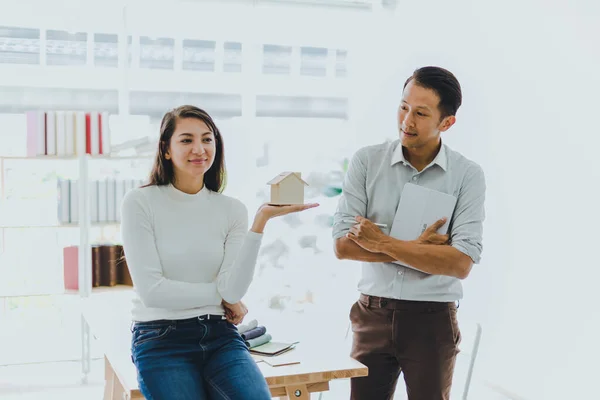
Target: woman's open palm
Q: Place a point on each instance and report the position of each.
(270, 211)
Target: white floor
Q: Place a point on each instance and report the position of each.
(35, 338)
(62, 381)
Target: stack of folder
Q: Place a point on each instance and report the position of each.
(260, 342)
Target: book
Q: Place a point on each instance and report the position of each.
(102, 201)
(94, 133)
(273, 348)
(96, 266)
(94, 201)
(108, 265)
(63, 201)
(111, 197)
(70, 265)
(109, 268)
(123, 275)
(119, 194)
(51, 135)
(104, 133)
(67, 133)
(70, 139)
(287, 358)
(36, 133)
(60, 134)
(74, 201)
(80, 133)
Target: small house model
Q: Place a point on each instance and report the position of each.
(287, 188)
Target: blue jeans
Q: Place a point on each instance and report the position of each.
(194, 359)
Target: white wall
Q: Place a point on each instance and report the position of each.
(529, 71)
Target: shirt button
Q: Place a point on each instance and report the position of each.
(399, 272)
(414, 178)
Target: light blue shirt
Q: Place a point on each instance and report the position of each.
(372, 188)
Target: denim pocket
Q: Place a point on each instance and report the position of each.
(143, 334)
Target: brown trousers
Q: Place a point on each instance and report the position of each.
(418, 338)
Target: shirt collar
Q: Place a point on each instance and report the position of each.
(440, 159)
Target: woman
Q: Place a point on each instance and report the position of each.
(191, 259)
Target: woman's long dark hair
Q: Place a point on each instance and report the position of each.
(162, 170)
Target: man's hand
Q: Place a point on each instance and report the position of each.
(366, 234)
(430, 235)
(235, 313)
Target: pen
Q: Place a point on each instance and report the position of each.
(351, 220)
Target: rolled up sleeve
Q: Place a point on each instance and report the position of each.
(466, 232)
(353, 200)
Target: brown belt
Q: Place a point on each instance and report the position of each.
(408, 305)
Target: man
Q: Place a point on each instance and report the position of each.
(405, 318)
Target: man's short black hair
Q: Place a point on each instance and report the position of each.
(442, 82)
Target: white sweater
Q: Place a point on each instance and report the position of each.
(186, 252)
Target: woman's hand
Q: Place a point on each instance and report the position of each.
(235, 313)
(267, 211)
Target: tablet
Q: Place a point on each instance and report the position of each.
(418, 208)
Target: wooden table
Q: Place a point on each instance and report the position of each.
(109, 322)
(316, 368)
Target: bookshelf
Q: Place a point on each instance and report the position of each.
(84, 224)
(63, 224)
